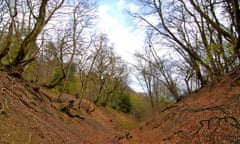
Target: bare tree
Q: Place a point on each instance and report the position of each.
(155, 73)
(204, 33)
(61, 40)
(102, 73)
(23, 22)
(80, 20)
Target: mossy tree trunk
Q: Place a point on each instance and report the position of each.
(25, 35)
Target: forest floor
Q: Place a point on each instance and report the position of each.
(29, 115)
(209, 116)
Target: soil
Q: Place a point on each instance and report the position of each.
(209, 116)
(30, 115)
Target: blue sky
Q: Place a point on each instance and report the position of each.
(117, 24)
(119, 27)
(115, 9)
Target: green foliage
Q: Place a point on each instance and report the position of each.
(140, 107)
(230, 48)
(30, 72)
(123, 121)
(127, 124)
(164, 103)
(73, 84)
(30, 52)
(43, 72)
(13, 52)
(125, 104)
(56, 78)
(122, 103)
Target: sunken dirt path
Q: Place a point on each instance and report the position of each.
(28, 115)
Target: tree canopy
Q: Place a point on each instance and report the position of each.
(202, 38)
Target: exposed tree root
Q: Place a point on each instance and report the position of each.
(213, 124)
(228, 118)
(219, 108)
(2, 110)
(29, 138)
(232, 77)
(4, 103)
(71, 111)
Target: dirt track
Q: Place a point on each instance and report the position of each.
(29, 115)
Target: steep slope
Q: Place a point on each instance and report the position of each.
(29, 115)
(208, 116)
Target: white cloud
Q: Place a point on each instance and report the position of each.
(136, 86)
(153, 19)
(106, 21)
(120, 32)
(114, 22)
(122, 3)
(103, 9)
(126, 42)
(133, 7)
